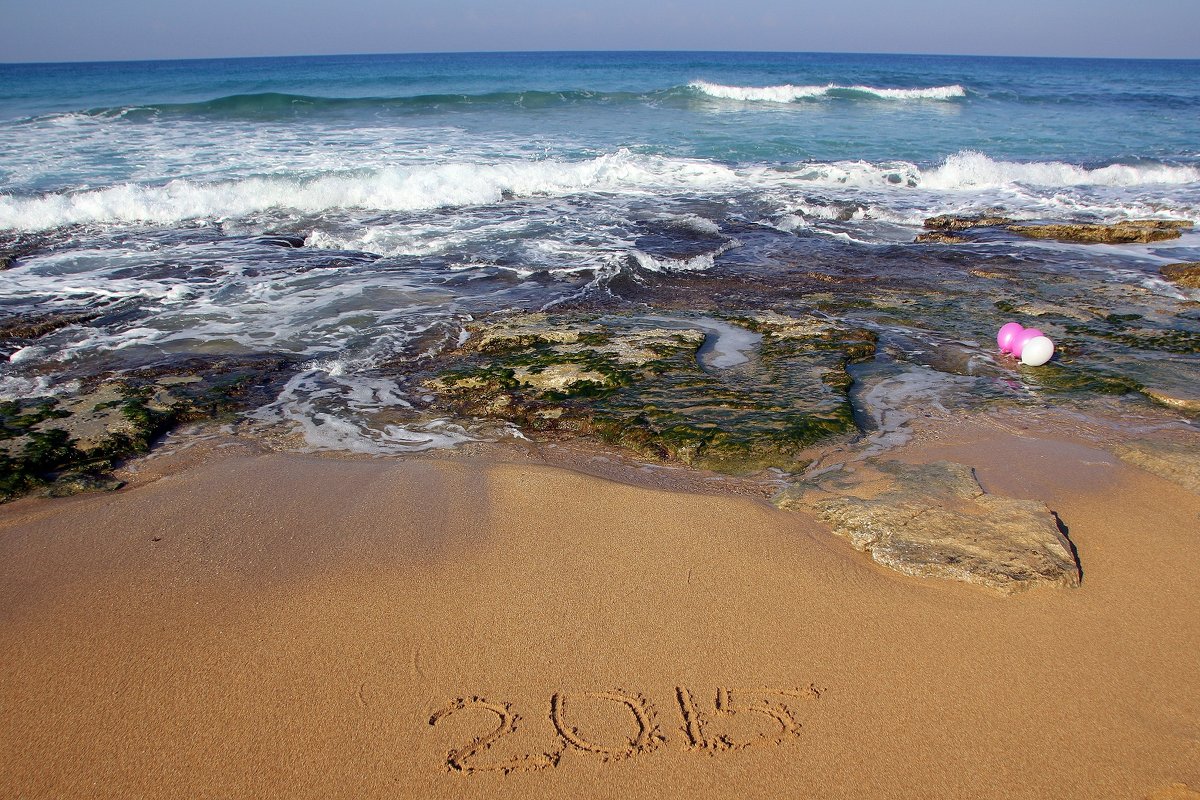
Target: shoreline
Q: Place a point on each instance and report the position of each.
(245, 623)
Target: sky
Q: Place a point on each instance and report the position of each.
(102, 30)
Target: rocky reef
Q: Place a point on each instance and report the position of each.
(934, 520)
(950, 229)
(736, 393)
(70, 442)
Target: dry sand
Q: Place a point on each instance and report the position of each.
(289, 626)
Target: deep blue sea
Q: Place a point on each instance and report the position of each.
(428, 190)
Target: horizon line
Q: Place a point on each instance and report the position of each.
(181, 59)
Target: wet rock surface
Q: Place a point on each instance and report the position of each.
(1186, 274)
(951, 229)
(940, 237)
(18, 330)
(70, 442)
(1131, 232)
(949, 222)
(934, 520)
(736, 394)
(1177, 461)
(20, 245)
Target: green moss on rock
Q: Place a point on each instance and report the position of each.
(71, 443)
(637, 383)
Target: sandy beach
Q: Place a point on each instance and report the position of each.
(258, 624)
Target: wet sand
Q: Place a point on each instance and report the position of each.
(279, 625)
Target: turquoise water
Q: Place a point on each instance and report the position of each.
(429, 189)
(1085, 112)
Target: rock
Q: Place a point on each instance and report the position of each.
(949, 222)
(1037, 308)
(17, 246)
(558, 377)
(770, 385)
(1188, 401)
(993, 274)
(939, 237)
(70, 443)
(282, 240)
(19, 330)
(1177, 461)
(35, 326)
(1130, 232)
(935, 520)
(1186, 274)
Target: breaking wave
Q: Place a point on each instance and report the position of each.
(281, 105)
(389, 189)
(473, 184)
(787, 93)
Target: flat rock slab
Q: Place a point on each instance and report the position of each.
(935, 521)
(1137, 231)
(1175, 461)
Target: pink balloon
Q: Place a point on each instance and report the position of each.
(1025, 336)
(1008, 332)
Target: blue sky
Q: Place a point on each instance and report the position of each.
(82, 30)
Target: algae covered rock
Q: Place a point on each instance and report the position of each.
(71, 442)
(935, 520)
(1130, 232)
(736, 394)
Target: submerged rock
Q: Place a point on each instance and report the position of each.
(1186, 274)
(935, 520)
(1185, 400)
(1175, 461)
(1131, 232)
(737, 394)
(18, 330)
(289, 240)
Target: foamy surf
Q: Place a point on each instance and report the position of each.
(787, 93)
(620, 174)
(411, 188)
(968, 170)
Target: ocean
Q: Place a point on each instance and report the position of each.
(353, 216)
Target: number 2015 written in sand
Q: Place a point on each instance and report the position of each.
(734, 719)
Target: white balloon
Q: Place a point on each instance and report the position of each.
(1037, 351)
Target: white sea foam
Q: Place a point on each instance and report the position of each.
(691, 222)
(421, 187)
(971, 170)
(15, 387)
(700, 263)
(787, 93)
(336, 409)
(388, 189)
